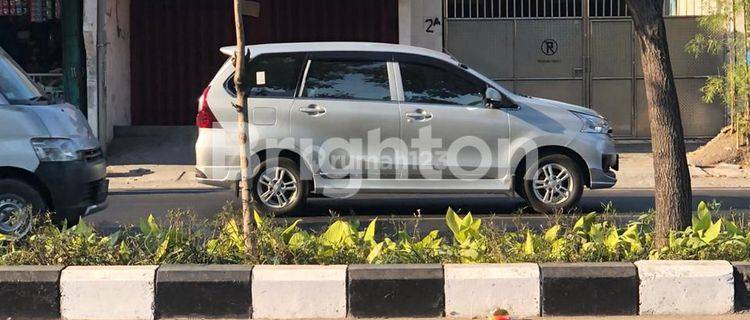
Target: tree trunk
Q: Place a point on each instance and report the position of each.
(672, 178)
(240, 62)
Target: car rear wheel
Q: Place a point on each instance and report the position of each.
(278, 188)
(19, 202)
(554, 184)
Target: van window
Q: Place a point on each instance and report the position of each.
(430, 84)
(360, 80)
(272, 76)
(14, 85)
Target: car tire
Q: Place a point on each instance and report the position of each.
(16, 194)
(272, 189)
(554, 184)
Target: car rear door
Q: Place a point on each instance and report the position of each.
(345, 108)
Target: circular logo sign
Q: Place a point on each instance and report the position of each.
(549, 47)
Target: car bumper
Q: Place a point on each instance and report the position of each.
(605, 177)
(77, 188)
(600, 155)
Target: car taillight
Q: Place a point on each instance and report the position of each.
(205, 118)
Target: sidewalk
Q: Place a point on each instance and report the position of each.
(144, 158)
(147, 158)
(637, 172)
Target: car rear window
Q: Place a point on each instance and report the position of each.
(271, 76)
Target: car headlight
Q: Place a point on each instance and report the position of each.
(593, 124)
(55, 149)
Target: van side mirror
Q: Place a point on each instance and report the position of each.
(496, 100)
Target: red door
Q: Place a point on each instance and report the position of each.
(175, 43)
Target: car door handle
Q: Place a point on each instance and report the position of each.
(313, 110)
(419, 115)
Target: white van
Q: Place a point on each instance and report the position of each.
(49, 158)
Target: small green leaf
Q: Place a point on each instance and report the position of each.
(162, 250)
(701, 221)
(453, 222)
(732, 228)
(83, 228)
(337, 235)
(299, 240)
(467, 221)
(286, 234)
(712, 232)
(612, 239)
(528, 245)
(369, 235)
(552, 233)
(123, 250)
(258, 219)
(375, 252)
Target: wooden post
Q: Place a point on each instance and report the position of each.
(242, 8)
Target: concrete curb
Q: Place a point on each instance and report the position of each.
(117, 292)
(741, 286)
(193, 291)
(30, 292)
(380, 291)
(686, 287)
(579, 289)
(299, 292)
(373, 291)
(474, 290)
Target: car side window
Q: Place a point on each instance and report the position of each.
(272, 76)
(431, 84)
(338, 79)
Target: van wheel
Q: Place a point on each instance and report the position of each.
(278, 188)
(554, 184)
(19, 202)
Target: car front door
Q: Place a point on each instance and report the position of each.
(346, 106)
(454, 134)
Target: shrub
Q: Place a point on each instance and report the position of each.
(182, 238)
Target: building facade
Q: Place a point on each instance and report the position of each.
(148, 60)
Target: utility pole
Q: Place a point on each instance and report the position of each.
(241, 9)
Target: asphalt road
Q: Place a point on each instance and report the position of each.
(128, 207)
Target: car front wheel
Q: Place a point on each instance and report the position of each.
(554, 184)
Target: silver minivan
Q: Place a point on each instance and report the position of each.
(339, 118)
(49, 158)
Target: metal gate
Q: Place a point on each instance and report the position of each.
(582, 52)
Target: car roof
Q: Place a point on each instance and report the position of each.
(259, 49)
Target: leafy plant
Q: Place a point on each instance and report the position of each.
(181, 238)
(466, 234)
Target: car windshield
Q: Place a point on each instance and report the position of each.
(15, 86)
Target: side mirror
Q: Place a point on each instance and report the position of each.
(496, 100)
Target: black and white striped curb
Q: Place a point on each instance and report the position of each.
(373, 291)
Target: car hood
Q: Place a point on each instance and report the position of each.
(547, 103)
(66, 121)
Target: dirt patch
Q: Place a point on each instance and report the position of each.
(721, 149)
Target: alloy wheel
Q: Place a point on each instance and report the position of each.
(277, 187)
(552, 184)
